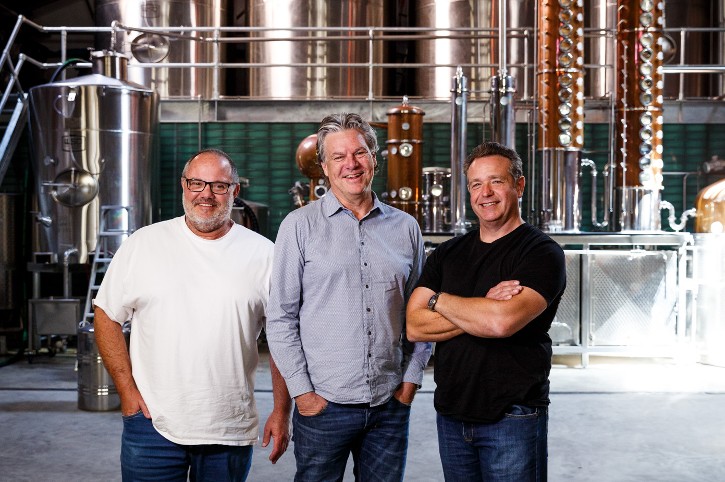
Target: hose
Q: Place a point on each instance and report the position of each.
(64, 66)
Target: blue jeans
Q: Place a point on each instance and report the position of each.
(512, 449)
(376, 436)
(146, 455)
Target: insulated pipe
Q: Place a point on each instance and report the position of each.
(459, 95)
(66, 270)
(503, 118)
(593, 167)
(671, 218)
(502, 55)
(503, 88)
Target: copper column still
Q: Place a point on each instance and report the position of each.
(561, 113)
(710, 207)
(639, 114)
(405, 160)
(306, 158)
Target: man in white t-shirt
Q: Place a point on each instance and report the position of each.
(195, 289)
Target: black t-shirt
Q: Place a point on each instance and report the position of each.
(478, 379)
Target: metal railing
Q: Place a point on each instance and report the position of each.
(218, 37)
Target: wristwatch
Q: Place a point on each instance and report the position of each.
(433, 300)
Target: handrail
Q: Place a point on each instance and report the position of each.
(238, 35)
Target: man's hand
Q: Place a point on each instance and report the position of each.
(505, 290)
(277, 428)
(132, 402)
(405, 393)
(310, 404)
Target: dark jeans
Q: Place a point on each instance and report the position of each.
(146, 455)
(512, 449)
(377, 438)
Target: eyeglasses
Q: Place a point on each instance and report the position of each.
(217, 187)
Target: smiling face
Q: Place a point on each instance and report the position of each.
(349, 165)
(208, 214)
(494, 193)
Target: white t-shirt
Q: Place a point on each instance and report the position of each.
(196, 308)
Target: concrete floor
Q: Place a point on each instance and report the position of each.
(617, 420)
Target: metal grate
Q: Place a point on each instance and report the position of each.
(634, 297)
(565, 327)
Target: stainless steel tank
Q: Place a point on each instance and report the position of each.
(92, 140)
(96, 390)
(452, 48)
(153, 48)
(281, 80)
(700, 47)
(435, 212)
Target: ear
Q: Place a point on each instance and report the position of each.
(237, 188)
(520, 184)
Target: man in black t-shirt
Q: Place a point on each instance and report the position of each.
(488, 299)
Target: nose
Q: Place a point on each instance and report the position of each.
(350, 160)
(486, 189)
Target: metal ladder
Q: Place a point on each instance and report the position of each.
(103, 255)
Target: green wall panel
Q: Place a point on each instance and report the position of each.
(265, 154)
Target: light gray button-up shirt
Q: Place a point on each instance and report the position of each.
(336, 312)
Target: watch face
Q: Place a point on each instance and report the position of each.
(432, 302)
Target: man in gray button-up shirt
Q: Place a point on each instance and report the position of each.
(344, 267)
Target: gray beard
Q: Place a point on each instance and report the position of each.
(208, 224)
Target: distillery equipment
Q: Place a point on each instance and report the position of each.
(459, 109)
(560, 94)
(148, 50)
(309, 165)
(92, 160)
(92, 146)
(96, 390)
(580, 88)
(710, 208)
(452, 43)
(326, 39)
(638, 182)
(435, 212)
(405, 157)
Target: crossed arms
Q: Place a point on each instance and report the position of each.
(506, 309)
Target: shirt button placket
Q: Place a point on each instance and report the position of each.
(367, 300)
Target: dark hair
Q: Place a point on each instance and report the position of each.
(491, 148)
(218, 152)
(343, 122)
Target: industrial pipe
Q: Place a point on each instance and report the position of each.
(459, 96)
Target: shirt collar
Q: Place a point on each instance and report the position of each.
(331, 205)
